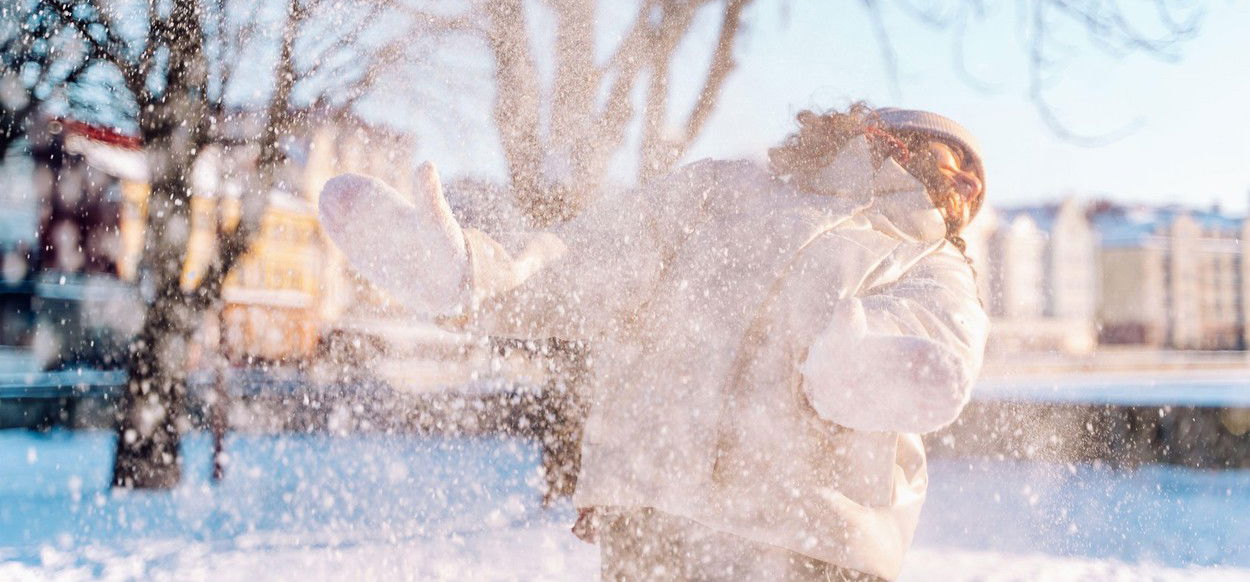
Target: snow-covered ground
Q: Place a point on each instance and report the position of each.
(308, 508)
(1217, 388)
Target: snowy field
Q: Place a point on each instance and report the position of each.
(1218, 388)
(313, 508)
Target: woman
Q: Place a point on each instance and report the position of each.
(768, 344)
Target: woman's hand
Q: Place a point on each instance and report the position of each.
(411, 247)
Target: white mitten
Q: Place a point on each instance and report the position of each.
(414, 249)
(881, 382)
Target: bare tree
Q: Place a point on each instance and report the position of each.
(42, 63)
(559, 132)
(178, 74)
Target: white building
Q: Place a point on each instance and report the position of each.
(1016, 258)
(1042, 270)
(1172, 278)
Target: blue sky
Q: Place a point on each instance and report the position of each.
(1191, 116)
(1190, 146)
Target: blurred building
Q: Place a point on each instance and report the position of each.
(1218, 254)
(18, 211)
(1131, 307)
(1068, 277)
(1172, 278)
(1016, 258)
(65, 306)
(78, 268)
(266, 309)
(1071, 270)
(1039, 272)
(1245, 282)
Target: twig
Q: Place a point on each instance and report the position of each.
(888, 56)
(1037, 95)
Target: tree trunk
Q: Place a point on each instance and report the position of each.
(516, 108)
(172, 126)
(151, 413)
(152, 407)
(219, 402)
(556, 416)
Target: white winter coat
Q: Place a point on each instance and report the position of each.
(764, 357)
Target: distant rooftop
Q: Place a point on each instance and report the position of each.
(1128, 225)
(1132, 225)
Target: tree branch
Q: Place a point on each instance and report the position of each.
(960, 58)
(627, 62)
(371, 67)
(350, 38)
(656, 149)
(1037, 93)
(516, 112)
(111, 48)
(254, 201)
(722, 65)
(230, 62)
(1108, 29)
(888, 57)
(572, 91)
(430, 21)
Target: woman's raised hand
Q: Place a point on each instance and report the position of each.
(411, 247)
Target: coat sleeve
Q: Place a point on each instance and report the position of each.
(902, 358)
(590, 275)
(565, 283)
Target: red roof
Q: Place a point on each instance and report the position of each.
(102, 134)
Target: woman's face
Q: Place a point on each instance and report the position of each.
(950, 163)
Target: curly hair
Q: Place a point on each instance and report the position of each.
(821, 136)
(818, 140)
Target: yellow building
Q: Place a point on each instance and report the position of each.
(292, 286)
(270, 296)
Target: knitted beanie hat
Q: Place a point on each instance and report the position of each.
(941, 127)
